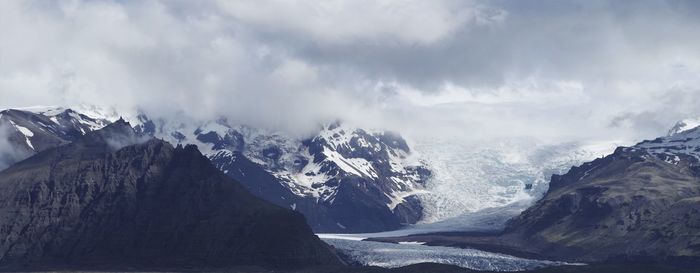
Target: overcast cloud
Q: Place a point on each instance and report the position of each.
(550, 69)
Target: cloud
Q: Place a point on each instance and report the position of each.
(363, 21)
(9, 153)
(553, 69)
(118, 142)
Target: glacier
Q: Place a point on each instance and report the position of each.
(408, 253)
(470, 176)
(475, 187)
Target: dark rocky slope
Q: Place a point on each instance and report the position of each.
(113, 198)
(629, 205)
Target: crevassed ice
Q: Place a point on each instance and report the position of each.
(469, 177)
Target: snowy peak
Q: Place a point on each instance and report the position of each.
(683, 142)
(381, 156)
(684, 125)
(47, 127)
(358, 143)
(26, 131)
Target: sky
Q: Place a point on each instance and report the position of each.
(556, 70)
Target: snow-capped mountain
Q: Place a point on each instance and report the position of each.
(343, 179)
(683, 125)
(681, 144)
(26, 131)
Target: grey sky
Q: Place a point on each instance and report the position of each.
(550, 69)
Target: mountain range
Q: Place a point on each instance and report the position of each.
(343, 179)
(80, 190)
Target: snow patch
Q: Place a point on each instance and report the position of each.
(356, 166)
(669, 148)
(26, 132)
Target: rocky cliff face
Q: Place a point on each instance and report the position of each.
(115, 198)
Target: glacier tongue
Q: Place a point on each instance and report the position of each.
(408, 253)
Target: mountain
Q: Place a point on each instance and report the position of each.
(114, 198)
(342, 179)
(640, 203)
(28, 131)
